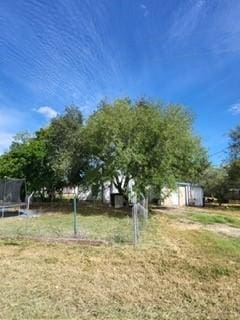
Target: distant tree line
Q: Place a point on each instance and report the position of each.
(220, 182)
(150, 142)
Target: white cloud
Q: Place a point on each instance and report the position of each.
(47, 112)
(235, 108)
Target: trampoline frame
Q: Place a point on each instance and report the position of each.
(17, 205)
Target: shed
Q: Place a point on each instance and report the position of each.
(185, 194)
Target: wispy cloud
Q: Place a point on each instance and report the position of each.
(235, 108)
(70, 54)
(144, 9)
(186, 19)
(47, 112)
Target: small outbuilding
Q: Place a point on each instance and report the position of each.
(185, 194)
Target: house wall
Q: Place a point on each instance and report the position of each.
(195, 196)
(176, 198)
(172, 200)
(182, 196)
(103, 195)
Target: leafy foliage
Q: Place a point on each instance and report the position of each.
(235, 143)
(27, 158)
(148, 142)
(64, 146)
(145, 142)
(214, 181)
(234, 158)
(47, 159)
(218, 182)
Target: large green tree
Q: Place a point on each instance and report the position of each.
(234, 145)
(27, 158)
(215, 183)
(219, 181)
(234, 158)
(64, 146)
(51, 158)
(146, 142)
(151, 143)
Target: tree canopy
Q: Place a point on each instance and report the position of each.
(234, 145)
(64, 144)
(219, 181)
(215, 183)
(234, 158)
(148, 142)
(47, 158)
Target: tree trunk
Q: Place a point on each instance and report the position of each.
(122, 189)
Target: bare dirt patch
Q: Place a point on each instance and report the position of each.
(216, 227)
(188, 225)
(70, 240)
(224, 229)
(182, 222)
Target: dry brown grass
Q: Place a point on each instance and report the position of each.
(172, 274)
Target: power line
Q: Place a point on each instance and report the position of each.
(218, 152)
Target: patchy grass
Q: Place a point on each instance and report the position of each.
(218, 245)
(227, 207)
(205, 216)
(172, 274)
(94, 226)
(210, 218)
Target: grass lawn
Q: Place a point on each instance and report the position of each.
(210, 218)
(92, 223)
(173, 274)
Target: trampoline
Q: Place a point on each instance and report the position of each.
(13, 195)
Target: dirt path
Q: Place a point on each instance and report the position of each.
(184, 224)
(224, 229)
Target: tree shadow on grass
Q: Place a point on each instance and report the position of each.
(85, 208)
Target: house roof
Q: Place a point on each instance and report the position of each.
(189, 184)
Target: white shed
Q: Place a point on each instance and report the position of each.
(185, 194)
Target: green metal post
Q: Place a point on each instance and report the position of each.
(4, 190)
(75, 215)
(135, 224)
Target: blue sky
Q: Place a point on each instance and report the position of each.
(53, 53)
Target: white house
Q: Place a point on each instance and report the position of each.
(185, 194)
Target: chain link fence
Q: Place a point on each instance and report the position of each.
(140, 217)
(91, 222)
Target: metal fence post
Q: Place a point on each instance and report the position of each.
(4, 190)
(146, 207)
(140, 217)
(135, 232)
(75, 215)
